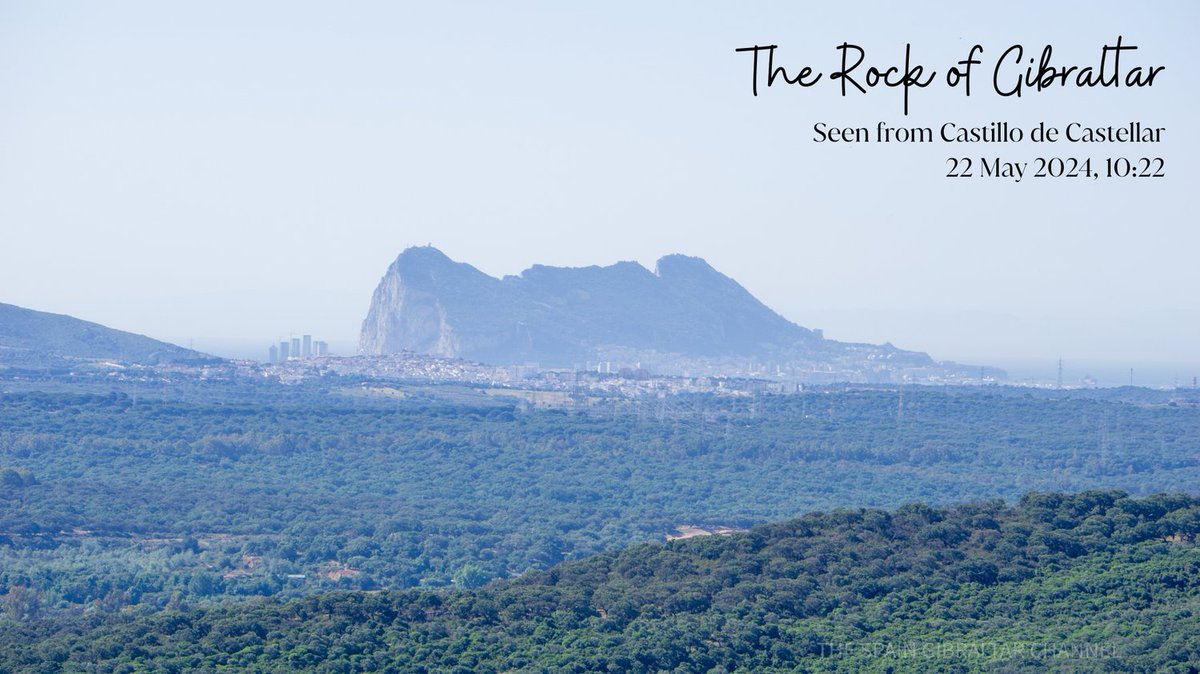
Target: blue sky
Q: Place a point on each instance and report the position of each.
(226, 175)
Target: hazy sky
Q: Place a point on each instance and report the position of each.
(226, 172)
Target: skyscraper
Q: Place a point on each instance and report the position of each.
(283, 351)
(274, 352)
(295, 347)
(307, 346)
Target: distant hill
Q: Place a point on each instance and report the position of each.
(684, 315)
(1087, 582)
(31, 338)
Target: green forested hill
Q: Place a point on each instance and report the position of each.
(1094, 581)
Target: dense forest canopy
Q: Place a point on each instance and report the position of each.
(158, 496)
(1090, 582)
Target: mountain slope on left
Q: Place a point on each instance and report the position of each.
(31, 338)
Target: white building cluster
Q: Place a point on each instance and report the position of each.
(297, 348)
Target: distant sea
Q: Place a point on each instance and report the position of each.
(1044, 372)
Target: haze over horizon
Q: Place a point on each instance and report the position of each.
(210, 180)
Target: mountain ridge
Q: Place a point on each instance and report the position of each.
(684, 315)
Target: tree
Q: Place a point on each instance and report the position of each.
(22, 603)
(471, 575)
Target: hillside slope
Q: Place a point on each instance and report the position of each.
(1088, 582)
(37, 338)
